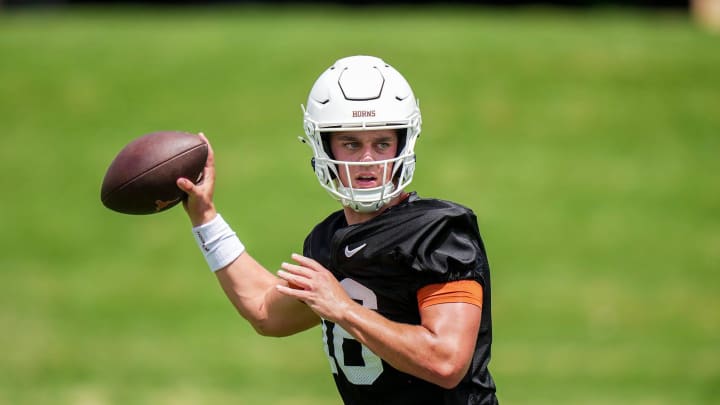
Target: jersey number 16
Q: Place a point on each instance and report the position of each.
(359, 365)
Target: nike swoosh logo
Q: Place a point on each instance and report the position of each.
(350, 253)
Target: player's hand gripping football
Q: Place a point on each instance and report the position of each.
(314, 285)
(199, 202)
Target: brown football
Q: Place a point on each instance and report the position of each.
(141, 179)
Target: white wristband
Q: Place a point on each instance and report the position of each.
(218, 243)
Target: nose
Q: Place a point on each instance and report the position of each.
(367, 157)
(367, 154)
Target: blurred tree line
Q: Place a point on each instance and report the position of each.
(494, 3)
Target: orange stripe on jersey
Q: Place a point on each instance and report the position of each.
(467, 291)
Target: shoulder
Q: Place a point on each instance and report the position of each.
(417, 203)
(317, 242)
(331, 223)
(432, 212)
(437, 236)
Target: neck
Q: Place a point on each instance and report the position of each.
(353, 217)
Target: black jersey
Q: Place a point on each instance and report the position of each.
(382, 263)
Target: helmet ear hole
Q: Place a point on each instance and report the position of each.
(326, 145)
(402, 135)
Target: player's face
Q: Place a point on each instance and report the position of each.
(364, 146)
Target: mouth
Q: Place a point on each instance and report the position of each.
(365, 180)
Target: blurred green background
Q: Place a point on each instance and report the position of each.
(586, 142)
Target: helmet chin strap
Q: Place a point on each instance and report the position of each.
(366, 200)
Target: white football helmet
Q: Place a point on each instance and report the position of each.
(362, 93)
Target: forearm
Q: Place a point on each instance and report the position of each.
(414, 349)
(251, 290)
(247, 284)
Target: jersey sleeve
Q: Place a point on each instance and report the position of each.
(464, 291)
(449, 248)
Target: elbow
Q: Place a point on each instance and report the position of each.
(450, 380)
(263, 330)
(449, 374)
(271, 333)
(281, 326)
(450, 384)
(262, 322)
(267, 329)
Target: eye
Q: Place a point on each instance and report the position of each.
(351, 145)
(383, 146)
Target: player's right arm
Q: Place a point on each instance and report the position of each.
(248, 285)
(252, 290)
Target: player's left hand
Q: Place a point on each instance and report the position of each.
(314, 285)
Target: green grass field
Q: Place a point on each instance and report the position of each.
(586, 143)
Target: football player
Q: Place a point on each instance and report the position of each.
(400, 284)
